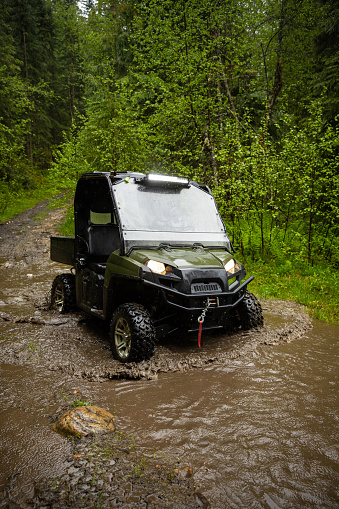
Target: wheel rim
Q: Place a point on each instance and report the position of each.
(122, 338)
(59, 297)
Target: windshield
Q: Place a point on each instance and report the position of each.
(157, 215)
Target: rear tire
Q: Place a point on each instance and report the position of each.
(132, 333)
(249, 312)
(63, 293)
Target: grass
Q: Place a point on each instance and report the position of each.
(67, 227)
(27, 199)
(80, 402)
(317, 288)
(34, 351)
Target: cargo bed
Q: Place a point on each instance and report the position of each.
(63, 250)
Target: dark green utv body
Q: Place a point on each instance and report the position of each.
(151, 255)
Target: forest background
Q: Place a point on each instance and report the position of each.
(241, 96)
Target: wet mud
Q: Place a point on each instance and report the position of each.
(78, 346)
(49, 360)
(111, 472)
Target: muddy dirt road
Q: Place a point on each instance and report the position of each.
(225, 417)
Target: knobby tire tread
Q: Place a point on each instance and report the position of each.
(68, 283)
(142, 332)
(250, 312)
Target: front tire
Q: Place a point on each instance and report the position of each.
(132, 333)
(249, 312)
(63, 293)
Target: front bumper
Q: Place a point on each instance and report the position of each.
(195, 303)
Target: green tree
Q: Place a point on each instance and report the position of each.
(14, 103)
(327, 64)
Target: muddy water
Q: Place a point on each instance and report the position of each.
(261, 431)
(254, 414)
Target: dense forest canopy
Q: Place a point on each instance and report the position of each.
(241, 96)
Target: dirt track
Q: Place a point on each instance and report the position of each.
(76, 347)
(25, 256)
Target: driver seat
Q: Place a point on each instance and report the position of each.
(103, 239)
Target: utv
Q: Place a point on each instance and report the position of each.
(150, 254)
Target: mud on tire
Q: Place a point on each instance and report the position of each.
(63, 293)
(249, 312)
(132, 334)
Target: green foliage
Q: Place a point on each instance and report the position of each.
(327, 64)
(80, 402)
(14, 200)
(187, 56)
(39, 83)
(69, 161)
(282, 198)
(67, 227)
(314, 287)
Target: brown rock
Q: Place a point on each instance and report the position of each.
(184, 472)
(85, 420)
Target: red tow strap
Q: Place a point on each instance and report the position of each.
(199, 334)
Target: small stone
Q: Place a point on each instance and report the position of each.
(152, 499)
(201, 500)
(84, 487)
(132, 499)
(73, 470)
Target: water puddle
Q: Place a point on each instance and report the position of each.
(256, 424)
(255, 415)
(260, 431)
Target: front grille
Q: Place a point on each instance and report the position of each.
(205, 287)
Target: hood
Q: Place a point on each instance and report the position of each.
(182, 258)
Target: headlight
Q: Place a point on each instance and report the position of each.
(157, 267)
(231, 267)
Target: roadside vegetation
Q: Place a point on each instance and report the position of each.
(22, 199)
(241, 97)
(317, 288)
